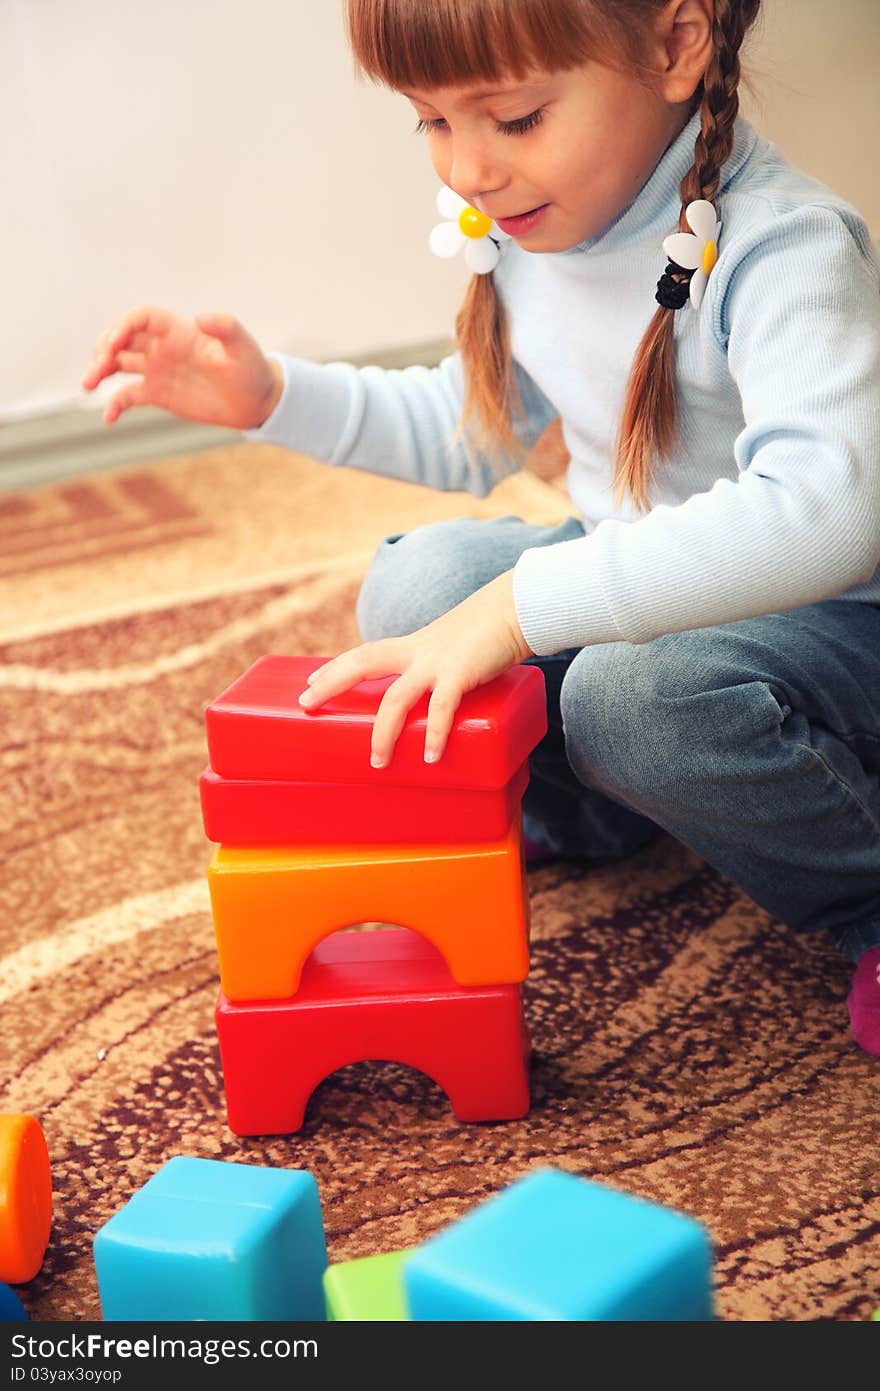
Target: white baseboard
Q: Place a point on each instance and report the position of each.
(64, 443)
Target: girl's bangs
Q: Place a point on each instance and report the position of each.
(448, 43)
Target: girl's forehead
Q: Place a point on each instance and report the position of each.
(470, 94)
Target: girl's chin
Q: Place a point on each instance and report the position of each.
(547, 242)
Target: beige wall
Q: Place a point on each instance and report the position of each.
(815, 66)
(214, 154)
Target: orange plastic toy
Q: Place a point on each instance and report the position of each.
(272, 906)
(25, 1198)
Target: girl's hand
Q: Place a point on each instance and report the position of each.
(210, 370)
(466, 647)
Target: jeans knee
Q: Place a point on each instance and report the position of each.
(652, 717)
(603, 711)
(413, 579)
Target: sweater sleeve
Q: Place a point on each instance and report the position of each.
(799, 317)
(399, 422)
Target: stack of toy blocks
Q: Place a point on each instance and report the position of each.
(311, 839)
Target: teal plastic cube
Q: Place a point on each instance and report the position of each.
(368, 1288)
(11, 1308)
(204, 1239)
(555, 1246)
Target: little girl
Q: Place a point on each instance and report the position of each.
(709, 626)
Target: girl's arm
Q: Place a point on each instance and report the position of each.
(797, 312)
(396, 422)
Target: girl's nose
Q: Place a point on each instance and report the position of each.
(473, 174)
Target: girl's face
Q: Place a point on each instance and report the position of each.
(577, 144)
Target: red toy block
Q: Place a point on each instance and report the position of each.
(258, 730)
(379, 994)
(247, 812)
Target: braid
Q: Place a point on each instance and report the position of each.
(649, 423)
(720, 102)
(491, 397)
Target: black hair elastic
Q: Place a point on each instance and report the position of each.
(673, 294)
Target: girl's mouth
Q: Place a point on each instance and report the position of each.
(516, 226)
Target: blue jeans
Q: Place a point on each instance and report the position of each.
(755, 743)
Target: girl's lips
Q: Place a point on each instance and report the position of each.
(515, 226)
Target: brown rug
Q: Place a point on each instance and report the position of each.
(686, 1047)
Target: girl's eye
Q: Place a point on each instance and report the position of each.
(518, 127)
(523, 124)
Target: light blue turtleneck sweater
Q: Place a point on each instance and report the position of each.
(772, 498)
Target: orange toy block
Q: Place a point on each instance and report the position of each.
(25, 1198)
(272, 906)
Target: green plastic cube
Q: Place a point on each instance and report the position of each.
(369, 1288)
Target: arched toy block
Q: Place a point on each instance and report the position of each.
(272, 907)
(380, 995)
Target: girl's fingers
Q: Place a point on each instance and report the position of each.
(346, 670)
(394, 707)
(99, 360)
(442, 706)
(322, 685)
(133, 343)
(130, 362)
(132, 332)
(144, 319)
(131, 395)
(108, 358)
(381, 659)
(223, 326)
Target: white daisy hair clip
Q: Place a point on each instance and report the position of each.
(695, 252)
(466, 227)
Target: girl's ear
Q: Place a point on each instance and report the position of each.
(685, 47)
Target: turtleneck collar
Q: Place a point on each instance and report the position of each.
(657, 205)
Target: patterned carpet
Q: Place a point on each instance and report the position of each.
(686, 1047)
